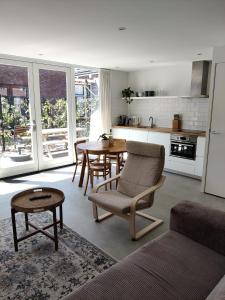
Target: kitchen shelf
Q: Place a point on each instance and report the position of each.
(167, 97)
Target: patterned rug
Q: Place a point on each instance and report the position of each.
(37, 271)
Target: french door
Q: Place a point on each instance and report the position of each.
(18, 144)
(52, 88)
(36, 129)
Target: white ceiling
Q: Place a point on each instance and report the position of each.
(85, 32)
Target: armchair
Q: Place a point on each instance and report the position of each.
(137, 183)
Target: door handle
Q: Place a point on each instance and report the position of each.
(34, 125)
(215, 132)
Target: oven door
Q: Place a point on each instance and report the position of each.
(183, 150)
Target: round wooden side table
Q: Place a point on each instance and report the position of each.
(35, 201)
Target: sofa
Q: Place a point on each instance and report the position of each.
(185, 263)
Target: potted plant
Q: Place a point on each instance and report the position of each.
(126, 94)
(104, 139)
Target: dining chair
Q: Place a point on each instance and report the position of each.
(97, 168)
(78, 155)
(137, 183)
(117, 159)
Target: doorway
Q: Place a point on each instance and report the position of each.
(36, 112)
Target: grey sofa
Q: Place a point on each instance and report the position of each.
(185, 263)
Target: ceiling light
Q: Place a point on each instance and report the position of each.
(122, 28)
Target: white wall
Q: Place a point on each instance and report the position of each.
(172, 80)
(118, 82)
(194, 111)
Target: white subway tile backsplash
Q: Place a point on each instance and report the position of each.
(194, 111)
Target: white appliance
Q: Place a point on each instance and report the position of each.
(215, 167)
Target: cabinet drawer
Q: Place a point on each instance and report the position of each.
(180, 167)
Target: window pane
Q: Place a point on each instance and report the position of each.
(53, 114)
(15, 133)
(86, 97)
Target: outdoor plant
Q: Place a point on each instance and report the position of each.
(10, 116)
(126, 94)
(54, 114)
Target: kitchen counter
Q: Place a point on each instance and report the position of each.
(184, 132)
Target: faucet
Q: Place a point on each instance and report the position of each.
(151, 122)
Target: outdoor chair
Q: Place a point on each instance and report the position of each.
(137, 183)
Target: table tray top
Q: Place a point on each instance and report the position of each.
(114, 148)
(30, 201)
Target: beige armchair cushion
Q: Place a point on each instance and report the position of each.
(142, 169)
(115, 201)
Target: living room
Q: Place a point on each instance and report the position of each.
(112, 150)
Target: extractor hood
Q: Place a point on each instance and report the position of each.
(200, 78)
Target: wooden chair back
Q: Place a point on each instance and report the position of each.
(98, 153)
(78, 151)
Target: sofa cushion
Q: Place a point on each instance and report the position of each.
(171, 267)
(115, 201)
(200, 223)
(218, 293)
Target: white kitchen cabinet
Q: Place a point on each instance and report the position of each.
(180, 166)
(199, 166)
(121, 133)
(200, 147)
(139, 135)
(200, 156)
(160, 138)
(174, 164)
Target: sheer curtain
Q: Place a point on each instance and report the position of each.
(105, 101)
(101, 117)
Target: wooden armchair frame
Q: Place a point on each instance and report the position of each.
(130, 217)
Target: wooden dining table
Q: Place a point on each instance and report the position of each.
(115, 149)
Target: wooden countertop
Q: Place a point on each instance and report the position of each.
(165, 130)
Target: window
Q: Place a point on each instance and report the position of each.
(86, 97)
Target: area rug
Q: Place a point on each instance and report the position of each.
(37, 271)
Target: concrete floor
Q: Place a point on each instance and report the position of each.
(111, 235)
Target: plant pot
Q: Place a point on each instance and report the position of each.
(105, 143)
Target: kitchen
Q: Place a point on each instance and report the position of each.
(181, 92)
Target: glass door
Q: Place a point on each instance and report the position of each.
(18, 143)
(54, 125)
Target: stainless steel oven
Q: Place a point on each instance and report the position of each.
(183, 146)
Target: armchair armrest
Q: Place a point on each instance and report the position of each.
(147, 192)
(98, 186)
(200, 223)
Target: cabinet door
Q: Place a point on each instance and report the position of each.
(120, 133)
(139, 135)
(200, 147)
(160, 139)
(215, 172)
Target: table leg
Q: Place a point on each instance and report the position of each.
(26, 221)
(61, 216)
(14, 229)
(117, 166)
(117, 163)
(84, 161)
(55, 229)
